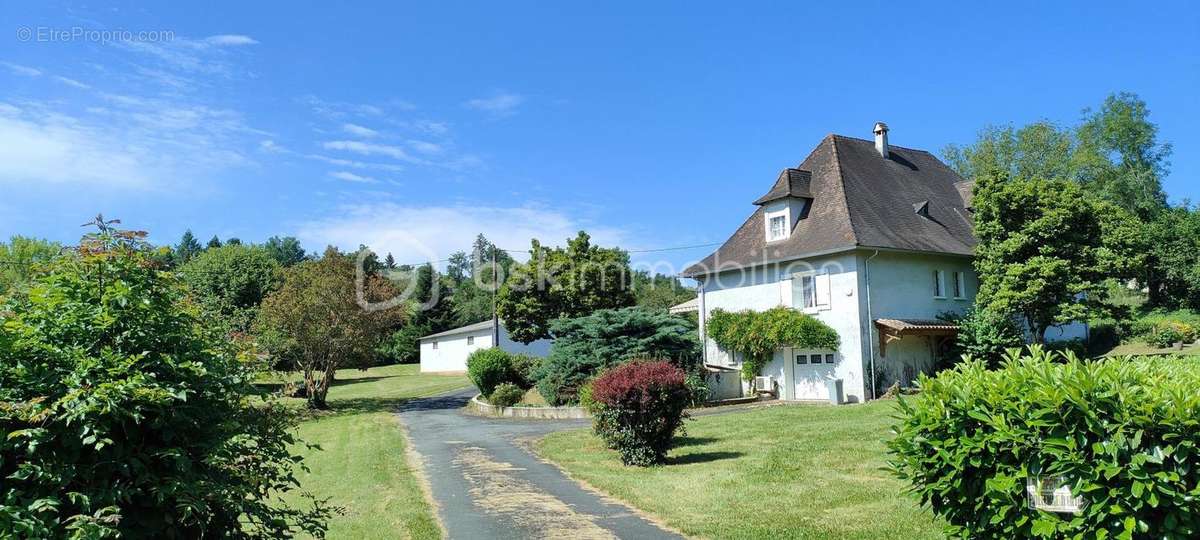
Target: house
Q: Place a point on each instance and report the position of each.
(873, 239)
(446, 352)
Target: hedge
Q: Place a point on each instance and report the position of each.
(1123, 433)
(489, 368)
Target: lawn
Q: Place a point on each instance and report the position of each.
(803, 471)
(1139, 348)
(362, 466)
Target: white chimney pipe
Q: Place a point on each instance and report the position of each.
(881, 142)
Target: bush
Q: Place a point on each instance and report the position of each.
(230, 282)
(1124, 433)
(489, 368)
(506, 395)
(983, 335)
(640, 406)
(124, 414)
(526, 366)
(1165, 335)
(586, 346)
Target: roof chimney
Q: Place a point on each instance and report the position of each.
(881, 143)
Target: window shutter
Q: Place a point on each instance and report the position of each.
(822, 284)
(785, 292)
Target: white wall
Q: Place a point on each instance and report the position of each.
(452, 350)
(451, 353)
(767, 287)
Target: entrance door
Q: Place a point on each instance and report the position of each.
(810, 370)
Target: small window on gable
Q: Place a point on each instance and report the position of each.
(960, 285)
(470, 340)
(435, 345)
(939, 283)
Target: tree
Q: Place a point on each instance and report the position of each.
(1039, 150)
(188, 247)
(1174, 240)
(235, 241)
(389, 262)
(230, 282)
(458, 267)
(563, 282)
(658, 291)
(1045, 249)
(1119, 149)
(287, 250)
(315, 323)
(22, 259)
(214, 242)
(124, 416)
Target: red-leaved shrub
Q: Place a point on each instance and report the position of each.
(638, 408)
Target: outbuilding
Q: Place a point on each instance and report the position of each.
(446, 352)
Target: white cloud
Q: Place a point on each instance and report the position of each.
(501, 104)
(230, 40)
(24, 71)
(351, 177)
(71, 82)
(370, 149)
(272, 147)
(425, 147)
(417, 233)
(359, 131)
(356, 164)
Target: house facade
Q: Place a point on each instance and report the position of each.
(872, 239)
(446, 352)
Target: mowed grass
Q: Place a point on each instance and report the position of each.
(362, 466)
(802, 471)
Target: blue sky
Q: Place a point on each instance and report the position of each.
(413, 126)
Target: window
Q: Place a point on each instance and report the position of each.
(809, 289)
(435, 345)
(828, 358)
(778, 227)
(939, 283)
(960, 285)
(802, 359)
(470, 340)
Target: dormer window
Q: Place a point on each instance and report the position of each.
(777, 226)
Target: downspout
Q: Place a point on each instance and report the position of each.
(870, 322)
(700, 322)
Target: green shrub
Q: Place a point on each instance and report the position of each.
(984, 335)
(124, 414)
(506, 395)
(489, 368)
(697, 385)
(586, 401)
(585, 346)
(1123, 433)
(230, 282)
(639, 408)
(1165, 335)
(758, 334)
(526, 366)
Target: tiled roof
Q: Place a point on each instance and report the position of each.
(860, 199)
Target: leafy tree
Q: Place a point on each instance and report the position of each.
(22, 258)
(235, 241)
(1174, 240)
(458, 267)
(982, 335)
(563, 282)
(658, 291)
(188, 247)
(585, 346)
(123, 415)
(214, 242)
(315, 322)
(389, 262)
(231, 281)
(1122, 157)
(1046, 248)
(1040, 150)
(403, 345)
(287, 250)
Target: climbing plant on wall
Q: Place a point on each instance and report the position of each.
(756, 335)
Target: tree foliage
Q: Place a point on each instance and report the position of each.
(658, 291)
(563, 283)
(984, 335)
(585, 346)
(230, 282)
(123, 415)
(315, 323)
(286, 251)
(756, 335)
(1174, 251)
(22, 258)
(1045, 249)
(187, 248)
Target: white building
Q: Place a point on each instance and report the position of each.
(446, 352)
(874, 240)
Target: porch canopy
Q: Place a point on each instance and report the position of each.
(895, 329)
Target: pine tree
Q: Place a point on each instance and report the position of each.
(187, 248)
(214, 242)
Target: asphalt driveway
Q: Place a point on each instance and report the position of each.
(487, 485)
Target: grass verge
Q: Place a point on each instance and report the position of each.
(780, 472)
(362, 465)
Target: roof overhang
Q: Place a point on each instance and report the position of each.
(896, 329)
(685, 307)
